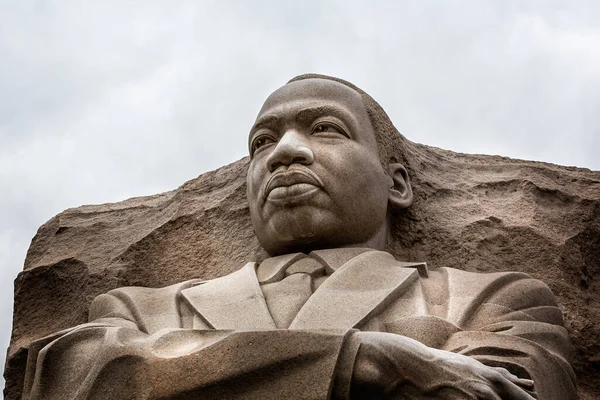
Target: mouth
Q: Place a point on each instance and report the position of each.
(292, 185)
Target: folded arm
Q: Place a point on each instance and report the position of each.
(115, 357)
(510, 345)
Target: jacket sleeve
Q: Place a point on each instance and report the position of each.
(112, 358)
(515, 323)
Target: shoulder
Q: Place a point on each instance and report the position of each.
(492, 296)
(131, 302)
(140, 292)
(510, 286)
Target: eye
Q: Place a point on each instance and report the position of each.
(327, 128)
(261, 141)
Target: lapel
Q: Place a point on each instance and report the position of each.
(273, 269)
(233, 301)
(356, 291)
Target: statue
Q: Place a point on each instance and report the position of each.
(331, 314)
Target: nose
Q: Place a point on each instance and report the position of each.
(290, 149)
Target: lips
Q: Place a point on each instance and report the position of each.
(291, 184)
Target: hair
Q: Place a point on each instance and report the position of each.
(391, 145)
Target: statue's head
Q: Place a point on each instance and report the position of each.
(321, 174)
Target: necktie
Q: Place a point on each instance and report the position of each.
(286, 297)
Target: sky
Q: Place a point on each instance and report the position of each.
(105, 100)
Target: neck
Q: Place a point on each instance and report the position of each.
(378, 241)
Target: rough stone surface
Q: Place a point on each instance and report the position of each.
(472, 212)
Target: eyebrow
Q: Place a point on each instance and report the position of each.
(309, 114)
(266, 121)
(304, 116)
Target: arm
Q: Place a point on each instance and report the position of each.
(520, 327)
(391, 366)
(111, 357)
(512, 325)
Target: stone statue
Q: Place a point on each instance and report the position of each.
(331, 314)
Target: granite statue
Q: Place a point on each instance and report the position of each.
(330, 314)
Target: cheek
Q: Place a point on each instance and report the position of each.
(253, 181)
(362, 171)
(365, 188)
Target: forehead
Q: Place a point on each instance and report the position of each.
(314, 92)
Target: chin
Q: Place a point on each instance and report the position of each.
(306, 229)
(302, 223)
(292, 236)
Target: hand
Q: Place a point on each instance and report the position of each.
(391, 366)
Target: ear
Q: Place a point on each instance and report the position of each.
(400, 194)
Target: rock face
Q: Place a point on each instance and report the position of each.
(472, 212)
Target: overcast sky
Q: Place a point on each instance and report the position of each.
(105, 100)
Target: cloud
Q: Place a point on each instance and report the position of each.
(102, 101)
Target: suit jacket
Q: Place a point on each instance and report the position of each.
(218, 338)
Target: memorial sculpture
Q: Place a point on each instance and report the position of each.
(330, 314)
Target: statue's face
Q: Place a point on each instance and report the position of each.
(315, 179)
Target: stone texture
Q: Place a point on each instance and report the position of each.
(472, 212)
